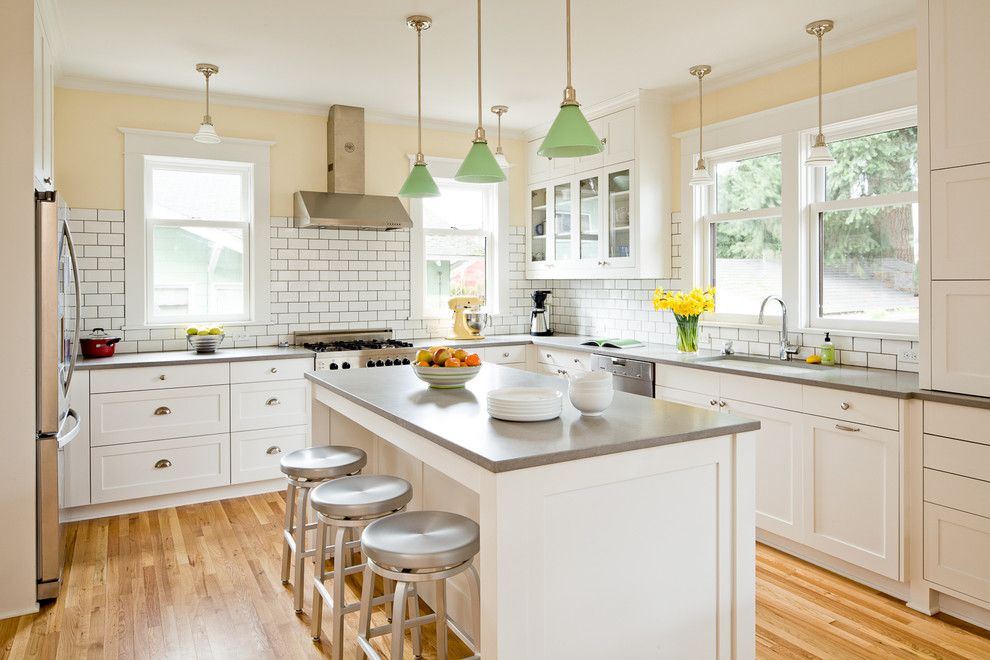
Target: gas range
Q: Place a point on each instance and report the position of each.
(356, 349)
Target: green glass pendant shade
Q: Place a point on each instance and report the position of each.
(419, 183)
(570, 136)
(480, 166)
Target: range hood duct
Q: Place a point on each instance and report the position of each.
(345, 204)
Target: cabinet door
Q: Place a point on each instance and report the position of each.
(619, 221)
(961, 223)
(588, 227)
(595, 161)
(538, 226)
(537, 167)
(562, 167)
(852, 493)
(696, 399)
(619, 133)
(957, 545)
(563, 222)
(960, 91)
(960, 318)
(779, 460)
(75, 455)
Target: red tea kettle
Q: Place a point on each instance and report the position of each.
(99, 344)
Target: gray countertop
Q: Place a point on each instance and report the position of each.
(458, 419)
(191, 357)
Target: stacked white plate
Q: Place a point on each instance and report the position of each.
(525, 404)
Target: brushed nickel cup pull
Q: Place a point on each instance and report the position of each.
(713, 402)
(272, 402)
(844, 405)
(162, 377)
(273, 370)
(162, 464)
(843, 427)
(722, 404)
(163, 410)
(274, 449)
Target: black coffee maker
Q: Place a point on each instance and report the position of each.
(539, 323)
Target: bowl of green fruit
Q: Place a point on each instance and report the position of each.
(446, 368)
(205, 339)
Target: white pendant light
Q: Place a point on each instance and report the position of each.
(207, 134)
(701, 177)
(819, 156)
(500, 158)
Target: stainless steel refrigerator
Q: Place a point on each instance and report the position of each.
(58, 323)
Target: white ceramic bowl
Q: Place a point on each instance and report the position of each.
(205, 343)
(591, 402)
(446, 378)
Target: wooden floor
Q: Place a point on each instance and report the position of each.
(203, 581)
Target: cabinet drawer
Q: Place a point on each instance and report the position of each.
(255, 455)
(157, 378)
(955, 492)
(267, 405)
(852, 407)
(551, 370)
(506, 354)
(692, 380)
(262, 371)
(564, 359)
(125, 417)
(957, 545)
(959, 422)
(968, 459)
(696, 399)
(144, 469)
(772, 393)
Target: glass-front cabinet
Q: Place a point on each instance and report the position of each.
(619, 216)
(563, 211)
(538, 225)
(589, 225)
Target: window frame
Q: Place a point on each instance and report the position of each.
(814, 193)
(143, 146)
(496, 246)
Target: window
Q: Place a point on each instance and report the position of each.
(864, 231)
(196, 230)
(744, 232)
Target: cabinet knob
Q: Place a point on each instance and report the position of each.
(844, 405)
(47, 179)
(505, 355)
(604, 141)
(577, 360)
(163, 410)
(843, 427)
(273, 370)
(163, 463)
(162, 377)
(274, 449)
(713, 402)
(272, 402)
(722, 404)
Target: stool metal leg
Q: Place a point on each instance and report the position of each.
(474, 586)
(388, 588)
(364, 623)
(398, 619)
(340, 563)
(417, 640)
(441, 610)
(290, 510)
(301, 549)
(319, 574)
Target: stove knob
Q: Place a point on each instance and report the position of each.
(371, 363)
(333, 366)
(379, 363)
(388, 363)
(346, 365)
(405, 360)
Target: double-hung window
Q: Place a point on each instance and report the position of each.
(863, 225)
(743, 225)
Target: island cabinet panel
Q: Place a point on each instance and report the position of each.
(397, 463)
(852, 494)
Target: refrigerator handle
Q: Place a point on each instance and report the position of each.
(76, 284)
(70, 435)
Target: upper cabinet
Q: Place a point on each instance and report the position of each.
(599, 216)
(959, 83)
(44, 118)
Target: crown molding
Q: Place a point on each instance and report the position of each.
(599, 109)
(834, 44)
(189, 136)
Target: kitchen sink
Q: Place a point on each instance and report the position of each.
(751, 363)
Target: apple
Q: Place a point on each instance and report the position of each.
(423, 355)
(461, 354)
(441, 356)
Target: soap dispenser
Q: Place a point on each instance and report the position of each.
(828, 352)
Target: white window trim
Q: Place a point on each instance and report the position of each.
(139, 143)
(497, 265)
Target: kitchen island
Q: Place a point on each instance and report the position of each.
(627, 535)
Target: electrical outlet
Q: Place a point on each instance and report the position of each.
(908, 356)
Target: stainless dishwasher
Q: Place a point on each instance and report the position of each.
(633, 376)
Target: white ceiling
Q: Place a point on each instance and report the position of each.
(360, 52)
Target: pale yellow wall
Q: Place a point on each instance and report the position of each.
(89, 165)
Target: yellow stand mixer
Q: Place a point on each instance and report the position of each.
(469, 320)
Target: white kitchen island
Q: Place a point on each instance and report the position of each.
(629, 535)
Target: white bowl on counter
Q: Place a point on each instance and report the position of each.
(446, 378)
(591, 393)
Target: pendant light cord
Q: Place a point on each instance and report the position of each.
(568, 31)
(480, 128)
(820, 35)
(419, 93)
(701, 123)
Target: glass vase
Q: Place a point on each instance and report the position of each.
(687, 333)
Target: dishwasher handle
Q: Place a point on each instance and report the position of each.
(625, 367)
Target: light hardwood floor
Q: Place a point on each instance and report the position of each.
(203, 581)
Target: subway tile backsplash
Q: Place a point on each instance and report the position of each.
(333, 279)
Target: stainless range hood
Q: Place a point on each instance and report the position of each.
(345, 204)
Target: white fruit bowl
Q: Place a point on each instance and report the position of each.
(446, 378)
(205, 343)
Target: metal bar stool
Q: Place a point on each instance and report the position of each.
(346, 506)
(305, 469)
(410, 548)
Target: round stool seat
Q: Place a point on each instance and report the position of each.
(421, 540)
(361, 496)
(319, 463)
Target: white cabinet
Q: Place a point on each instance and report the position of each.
(959, 87)
(594, 161)
(509, 356)
(537, 167)
(619, 136)
(256, 455)
(957, 545)
(564, 359)
(75, 455)
(852, 493)
(960, 318)
(268, 405)
(960, 223)
(158, 377)
(122, 417)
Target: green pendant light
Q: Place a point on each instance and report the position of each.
(570, 135)
(480, 165)
(419, 183)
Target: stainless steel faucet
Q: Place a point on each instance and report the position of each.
(786, 350)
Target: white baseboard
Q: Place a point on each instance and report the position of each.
(176, 499)
(960, 609)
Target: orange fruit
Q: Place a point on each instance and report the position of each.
(452, 362)
(424, 363)
(473, 360)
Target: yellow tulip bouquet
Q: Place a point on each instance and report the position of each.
(687, 308)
